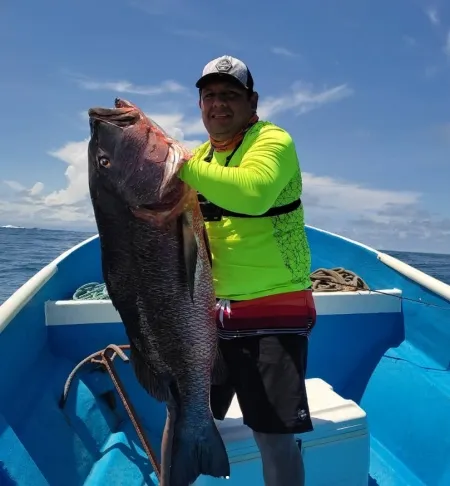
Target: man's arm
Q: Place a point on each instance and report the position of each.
(253, 187)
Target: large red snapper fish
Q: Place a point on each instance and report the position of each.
(157, 268)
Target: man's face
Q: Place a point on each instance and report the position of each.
(226, 108)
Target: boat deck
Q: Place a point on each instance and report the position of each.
(385, 353)
(92, 441)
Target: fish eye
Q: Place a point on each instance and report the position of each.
(104, 162)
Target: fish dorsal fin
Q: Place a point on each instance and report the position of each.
(208, 247)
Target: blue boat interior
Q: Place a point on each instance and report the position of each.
(386, 353)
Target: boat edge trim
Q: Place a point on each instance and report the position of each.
(20, 298)
(428, 282)
(81, 312)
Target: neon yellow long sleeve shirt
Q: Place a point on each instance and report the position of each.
(253, 257)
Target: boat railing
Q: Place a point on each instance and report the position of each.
(417, 276)
(20, 298)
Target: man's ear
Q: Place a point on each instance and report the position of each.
(254, 101)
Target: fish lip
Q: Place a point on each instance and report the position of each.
(99, 119)
(123, 115)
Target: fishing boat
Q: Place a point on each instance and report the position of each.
(72, 412)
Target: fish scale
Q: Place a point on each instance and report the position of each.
(157, 270)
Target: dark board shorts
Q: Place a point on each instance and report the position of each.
(267, 373)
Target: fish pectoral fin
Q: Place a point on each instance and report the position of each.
(153, 383)
(190, 251)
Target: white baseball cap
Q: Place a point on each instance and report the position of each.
(226, 66)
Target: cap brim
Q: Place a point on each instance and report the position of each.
(217, 76)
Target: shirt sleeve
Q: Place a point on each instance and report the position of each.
(252, 187)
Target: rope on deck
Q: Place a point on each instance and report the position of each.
(336, 279)
(91, 291)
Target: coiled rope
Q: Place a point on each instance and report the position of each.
(323, 280)
(336, 280)
(91, 291)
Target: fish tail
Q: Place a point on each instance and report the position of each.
(196, 453)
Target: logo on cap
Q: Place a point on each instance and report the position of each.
(224, 65)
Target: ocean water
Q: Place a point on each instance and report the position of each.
(23, 252)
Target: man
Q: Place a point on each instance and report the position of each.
(248, 178)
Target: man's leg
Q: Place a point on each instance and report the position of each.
(281, 458)
(270, 386)
(167, 441)
(222, 393)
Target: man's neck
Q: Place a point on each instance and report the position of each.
(231, 142)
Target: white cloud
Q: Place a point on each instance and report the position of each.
(123, 86)
(283, 51)
(21, 189)
(15, 186)
(433, 15)
(33, 212)
(36, 189)
(178, 126)
(380, 218)
(329, 194)
(416, 232)
(343, 206)
(302, 99)
(74, 154)
(71, 204)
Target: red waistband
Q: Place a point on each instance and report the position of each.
(288, 310)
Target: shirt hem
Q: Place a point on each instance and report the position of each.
(305, 285)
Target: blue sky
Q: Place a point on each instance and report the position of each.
(363, 87)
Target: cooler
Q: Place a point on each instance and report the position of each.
(336, 452)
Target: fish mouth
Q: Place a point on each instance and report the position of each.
(124, 114)
(116, 117)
